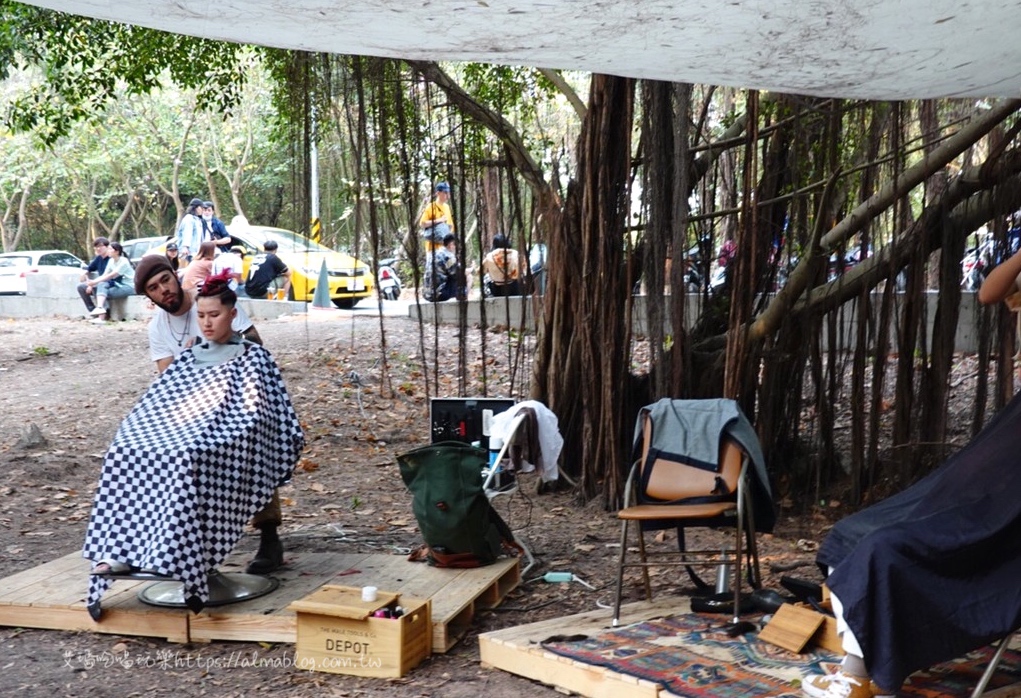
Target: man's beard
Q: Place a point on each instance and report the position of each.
(174, 305)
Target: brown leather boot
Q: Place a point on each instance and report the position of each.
(270, 555)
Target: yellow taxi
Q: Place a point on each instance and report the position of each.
(350, 280)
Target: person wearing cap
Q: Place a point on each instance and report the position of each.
(436, 221)
(234, 264)
(173, 329)
(174, 325)
(213, 228)
(189, 231)
(173, 256)
(96, 268)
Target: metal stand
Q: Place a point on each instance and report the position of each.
(224, 589)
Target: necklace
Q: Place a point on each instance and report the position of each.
(184, 334)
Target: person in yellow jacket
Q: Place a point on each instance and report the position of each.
(437, 221)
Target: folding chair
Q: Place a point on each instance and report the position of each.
(987, 675)
(674, 490)
(496, 482)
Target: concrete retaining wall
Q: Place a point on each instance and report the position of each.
(56, 295)
(518, 311)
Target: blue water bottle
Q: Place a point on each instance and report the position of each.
(495, 446)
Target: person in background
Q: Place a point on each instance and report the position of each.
(213, 227)
(268, 271)
(234, 263)
(96, 268)
(440, 281)
(173, 256)
(189, 231)
(117, 281)
(1004, 284)
(436, 221)
(200, 267)
(503, 267)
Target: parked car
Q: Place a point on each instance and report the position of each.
(349, 279)
(135, 248)
(15, 267)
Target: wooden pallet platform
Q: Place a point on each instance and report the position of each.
(517, 650)
(52, 597)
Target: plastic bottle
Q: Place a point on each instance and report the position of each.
(495, 446)
(553, 577)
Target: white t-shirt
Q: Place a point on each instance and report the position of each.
(229, 260)
(168, 335)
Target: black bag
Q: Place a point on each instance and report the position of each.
(457, 521)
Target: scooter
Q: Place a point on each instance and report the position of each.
(387, 279)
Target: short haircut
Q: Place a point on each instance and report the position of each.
(218, 286)
(270, 245)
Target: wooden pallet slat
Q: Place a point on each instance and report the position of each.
(52, 596)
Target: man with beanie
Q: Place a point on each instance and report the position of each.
(174, 328)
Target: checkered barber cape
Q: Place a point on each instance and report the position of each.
(200, 453)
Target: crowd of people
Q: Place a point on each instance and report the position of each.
(201, 247)
(445, 276)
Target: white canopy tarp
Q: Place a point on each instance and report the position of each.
(872, 49)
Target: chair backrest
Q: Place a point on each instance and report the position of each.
(667, 480)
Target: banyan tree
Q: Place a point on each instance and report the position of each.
(796, 183)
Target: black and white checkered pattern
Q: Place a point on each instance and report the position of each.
(200, 453)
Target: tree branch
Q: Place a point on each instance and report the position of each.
(495, 122)
(918, 173)
(557, 79)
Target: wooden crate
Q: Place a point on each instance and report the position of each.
(337, 633)
(798, 627)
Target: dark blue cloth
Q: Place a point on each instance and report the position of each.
(935, 571)
(215, 228)
(98, 265)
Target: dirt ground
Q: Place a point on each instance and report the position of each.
(71, 382)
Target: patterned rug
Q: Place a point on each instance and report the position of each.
(687, 657)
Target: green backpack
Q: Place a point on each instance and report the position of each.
(459, 525)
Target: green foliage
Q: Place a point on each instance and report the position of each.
(84, 61)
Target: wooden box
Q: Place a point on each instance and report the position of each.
(338, 633)
(797, 627)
